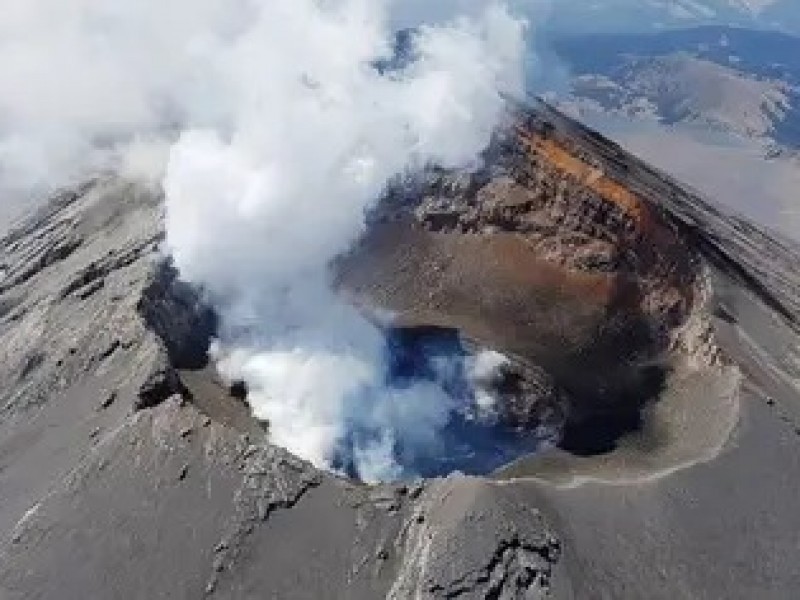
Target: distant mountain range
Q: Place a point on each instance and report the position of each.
(741, 81)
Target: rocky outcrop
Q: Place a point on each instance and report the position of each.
(179, 316)
(272, 480)
(468, 539)
(160, 383)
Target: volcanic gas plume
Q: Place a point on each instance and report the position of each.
(273, 127)
(258, 210)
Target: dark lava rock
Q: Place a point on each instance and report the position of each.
(176, 312)
(527, 396)
(108, 400)
(162, 383)
(238, 390)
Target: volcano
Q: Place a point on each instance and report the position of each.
(645, 429)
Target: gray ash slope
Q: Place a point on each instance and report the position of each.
(127, 471)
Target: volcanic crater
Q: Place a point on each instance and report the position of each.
(650, 375)
(543, 255)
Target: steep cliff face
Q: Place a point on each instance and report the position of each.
(544, 255)
(636, 315)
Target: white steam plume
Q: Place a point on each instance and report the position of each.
(256, 212)
(282, 133)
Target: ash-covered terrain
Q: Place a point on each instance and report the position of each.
(651, 335)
